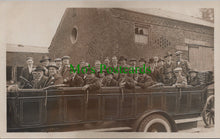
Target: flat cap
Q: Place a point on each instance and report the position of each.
(57, 59)
(133, 59)
(178, 53)
(65, 57)
(29, 58)
(177, 69)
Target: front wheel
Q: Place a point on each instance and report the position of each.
(208, 113)
(155, 123)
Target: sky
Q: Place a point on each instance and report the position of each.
(35, 23)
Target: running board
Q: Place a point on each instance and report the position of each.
(188, 120)
(107, 129)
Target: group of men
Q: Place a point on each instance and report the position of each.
(164, 71)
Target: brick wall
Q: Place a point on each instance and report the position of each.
(108, 32)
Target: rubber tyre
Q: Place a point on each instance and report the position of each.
(155, 123)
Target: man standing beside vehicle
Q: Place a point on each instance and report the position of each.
(184, 64)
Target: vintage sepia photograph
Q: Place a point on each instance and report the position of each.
(112, 69)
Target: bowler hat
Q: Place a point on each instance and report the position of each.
(122, 58)
(39, 68)
(52, 64)
(44, 58)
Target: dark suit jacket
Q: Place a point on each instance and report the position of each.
(54, 80)
(40, 84)
(77, 81)
(25, 73)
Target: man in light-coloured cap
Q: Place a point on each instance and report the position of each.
(184, 64)
(44, 63)
(181, 80)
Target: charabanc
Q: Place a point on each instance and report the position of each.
(154, 109)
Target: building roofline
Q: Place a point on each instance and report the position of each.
(25, 48)
(172, 16)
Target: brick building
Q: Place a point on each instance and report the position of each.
(16, 58)
(94, 33)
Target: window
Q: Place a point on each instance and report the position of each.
(9, 73)
(74, 35)
(141, 35)
(19, 69)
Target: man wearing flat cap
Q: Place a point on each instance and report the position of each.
(184, 64)
(181, 80)
(44, 63)
(115, 66)
(58, 62)
(26, 73)
(54, 78)
(168, 65)
(133, 67)
(39, 80)
(142, 61)
(123, 61)
(65, 70)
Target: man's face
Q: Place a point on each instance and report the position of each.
(39, 74)
(193, 74)
(168, 58)
(133, 63)
(101, 75)
(35, 75)
(97, 65)
(179, 57)
(169, 75)
(45, 63)
(58, 63)
(142, 75)
(52, 71)
(109, 77)
(160, 63)
(141, 63)
(30, 62)
(106, 62)
(114, 61)
(123, 75)
(82, 63)
(66, 61)
(123, 62)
